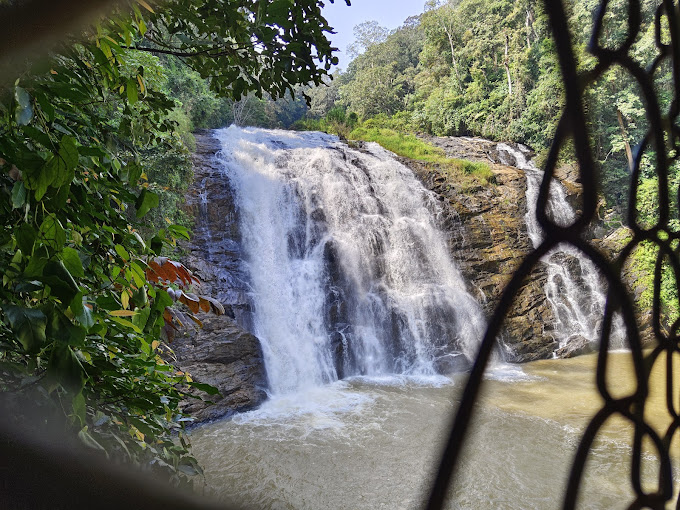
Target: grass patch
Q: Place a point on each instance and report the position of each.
(411, 147)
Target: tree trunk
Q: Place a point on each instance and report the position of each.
(624, 134)
(449, 34)
(506, 63)
(528, 25)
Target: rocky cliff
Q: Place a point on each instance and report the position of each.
(489, 241)
(221, 353)
(493, 241)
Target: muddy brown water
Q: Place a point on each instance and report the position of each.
(373, 443)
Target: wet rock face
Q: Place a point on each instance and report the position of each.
(214, 253)
(227, 357)
(492, 240)
(611, 246)
(222, 353)
(575, 347)
(489, 240)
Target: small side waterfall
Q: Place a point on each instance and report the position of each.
(350, 274)
(574, 287)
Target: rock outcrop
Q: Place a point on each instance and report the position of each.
(611, 245)
(489, 240)
(493, 240)
(222, 353)
(227, 357)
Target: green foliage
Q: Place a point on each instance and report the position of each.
(381, 79)
(411, 147)
(489, 68)
(643, 261)
(262, 47)
(88, 149)
(337, 121)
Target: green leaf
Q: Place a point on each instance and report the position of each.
(210, 390)
(134, 173)
(46, 106)
(52, 233)
(25, 236)
(36, 263)
(178, 231)
(138, 275)
(60, 167)
(145, 202)
(131, 89)
(72, 261)
(126, 323)
(44, 178)
(82, 313)
(60, 281)
(28, 325)
(162, 300)
(157, 244)
(28, 286)
(122, 252)
(60, 200)
(24, 109)
(18, 195)
(108, 303)
(141, 318)
(60, 328)
(79, 409)
(38, 135)
(68, 153)
(65, 369)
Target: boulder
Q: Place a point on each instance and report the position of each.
(227, 357)
(575, 346)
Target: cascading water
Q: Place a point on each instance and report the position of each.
(574, 288)
(350, 274)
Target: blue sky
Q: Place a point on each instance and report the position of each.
(389, 13)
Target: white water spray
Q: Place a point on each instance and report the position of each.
(574, 287)
(350, 274)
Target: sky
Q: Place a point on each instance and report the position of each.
(389, 13)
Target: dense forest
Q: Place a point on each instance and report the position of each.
(489, 69)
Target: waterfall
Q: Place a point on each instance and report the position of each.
(350, 274)
(574, 288)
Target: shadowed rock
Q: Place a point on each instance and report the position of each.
(227, 357)
(222, 353)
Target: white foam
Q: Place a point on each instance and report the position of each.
(318, 407)
(349, 270)
(508, 372)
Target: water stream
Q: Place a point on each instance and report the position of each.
(574, 288)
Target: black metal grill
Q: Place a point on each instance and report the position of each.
(663, 138)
